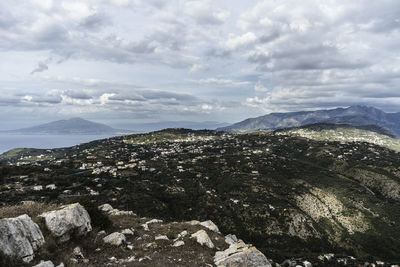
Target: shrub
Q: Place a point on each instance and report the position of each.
(98, 219)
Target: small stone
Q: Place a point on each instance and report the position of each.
(115, 239)
(182, 234)
(210, 225)
(102, 232)
(178, 243)
(161, 237)
(203, 239)
(127, 232)
(130, 247)
(78, 253)
(45, 264)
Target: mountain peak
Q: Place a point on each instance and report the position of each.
(73, 125)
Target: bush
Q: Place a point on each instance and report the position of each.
(8, 261)
(98, 219)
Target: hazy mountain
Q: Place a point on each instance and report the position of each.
(155, 126)
(70, 126)
(355, 115)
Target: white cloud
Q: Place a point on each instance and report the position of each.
(259, 87)
(221, 82)
(263, 56)
(205, 13)
(246, 39)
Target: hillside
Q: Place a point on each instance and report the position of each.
(289, 196)
(355, 115)
(70, 126)
(346, 133)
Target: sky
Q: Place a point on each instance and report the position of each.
(133, 61)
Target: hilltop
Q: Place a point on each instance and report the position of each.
(287, 195)
(354, 115)
(70, 126)
(346, 133)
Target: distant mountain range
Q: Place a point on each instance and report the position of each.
(155, 126)
(354, 115)
(82, 126)
(70, 126)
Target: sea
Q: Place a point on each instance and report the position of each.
(10, 141)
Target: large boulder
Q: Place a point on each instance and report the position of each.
(20, 237)
(69, 220)
(240, 254)
(203, 239)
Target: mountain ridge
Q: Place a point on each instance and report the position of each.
(73, 125)
(353, 115)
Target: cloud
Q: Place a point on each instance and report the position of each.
(219, 82)
(132, 58)
(40, 68)
(259, 87)
(239, 41)
(204, 13)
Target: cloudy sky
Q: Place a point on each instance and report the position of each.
(128, 61)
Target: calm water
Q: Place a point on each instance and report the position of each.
(8, 141)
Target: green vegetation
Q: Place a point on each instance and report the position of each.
(290, 196)
(347, 135)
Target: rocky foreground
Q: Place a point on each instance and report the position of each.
(132, 241)
(64, 236)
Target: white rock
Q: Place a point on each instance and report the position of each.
(178, 243)
(210, 225)
(232, 239)
(68, 220)
(130, 247)
(193, 222)
(38, 187)
(127, 232)
(20, 237)
(154, 221)
(161, 237)
(240, 254)
(78, 253)
(45, 264)
(51, 186)
(105, 208)
(203, 239)
(102, 232)
(182, 234)
(145, 227)
(115, 239)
